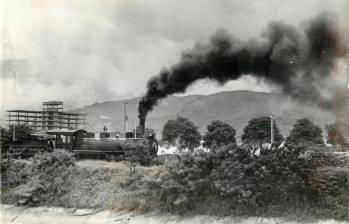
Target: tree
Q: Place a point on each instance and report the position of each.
(4, 133)
(218, 134)
(181, 132)
(22, 132)
(335, 134)
(5, 137)
(257, 131)
(305, 131)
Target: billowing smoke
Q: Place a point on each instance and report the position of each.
(299, 60)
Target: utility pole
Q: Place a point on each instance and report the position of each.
(125, 118)
(347, 118)
(135, 127)
(14, 133)
(272, 129)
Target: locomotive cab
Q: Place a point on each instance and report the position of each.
(153, 144)
(129, 134)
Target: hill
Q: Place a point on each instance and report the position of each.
(233, 107)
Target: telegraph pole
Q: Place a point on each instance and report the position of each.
(272, 129)
(125, 118)
(14, 132)
(348, 119)
(135, 127)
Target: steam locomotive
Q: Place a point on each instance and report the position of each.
(84, 144)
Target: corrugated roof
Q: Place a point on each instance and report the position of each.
(62, 131)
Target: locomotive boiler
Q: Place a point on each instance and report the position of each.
(116, 148)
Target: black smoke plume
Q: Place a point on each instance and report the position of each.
(298, 60)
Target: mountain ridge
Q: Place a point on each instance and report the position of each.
(234, 107)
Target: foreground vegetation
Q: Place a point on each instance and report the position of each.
(296, 181)
(277, 183)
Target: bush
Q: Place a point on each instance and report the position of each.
(15, 172)
(232, 180)
(274, 178)
(277, 182)
(187, 182)
(41, 180)
(139, 190)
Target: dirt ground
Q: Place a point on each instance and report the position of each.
(44, 215)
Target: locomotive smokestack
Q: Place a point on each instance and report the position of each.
(142, 114)
(141, 127)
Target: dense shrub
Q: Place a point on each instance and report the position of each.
(277, 181)
(275, 177)
(54, 179)
(188, 180)
(232, 180)
(14, 172)
(41, 179)
(139, 190)
(49, 174)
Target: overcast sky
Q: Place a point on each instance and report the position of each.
(86, 51)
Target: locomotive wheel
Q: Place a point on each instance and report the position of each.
(107, 156)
